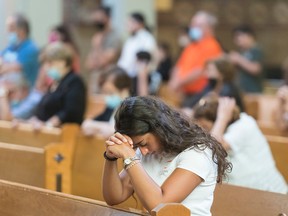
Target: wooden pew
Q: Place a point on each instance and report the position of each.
(17, 199)
(260, 106)
(270, 128)
(23, 164)
(24, 134)
(239, 201)
(34, 157)
(279, 148)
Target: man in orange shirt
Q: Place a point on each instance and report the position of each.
(188, 76)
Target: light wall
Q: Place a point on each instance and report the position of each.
(42, 15)
(122, 8)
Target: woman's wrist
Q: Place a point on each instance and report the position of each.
(109, 158)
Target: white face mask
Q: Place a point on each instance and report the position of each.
(195, 33)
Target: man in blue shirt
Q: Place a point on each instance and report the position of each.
(21, 54)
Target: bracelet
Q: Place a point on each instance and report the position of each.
(132, 164)
(108, 158)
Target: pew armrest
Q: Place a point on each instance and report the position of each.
(170, 209)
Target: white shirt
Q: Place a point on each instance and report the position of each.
(141, 41)
(160, 167)
(253, 163)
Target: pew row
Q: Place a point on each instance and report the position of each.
(73, 165)
(239, 201)
(17, 199)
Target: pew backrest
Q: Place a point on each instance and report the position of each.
(239, 201)
(24, 134)
(23, 164)
(279, 149)
(17, 199)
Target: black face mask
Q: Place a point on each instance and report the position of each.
(212, 82)
(99, 25)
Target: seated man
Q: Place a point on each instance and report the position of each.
(116, 88)
(21, 54)
(13, 91)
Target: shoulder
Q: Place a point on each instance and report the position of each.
(198, 161)
(74, 80)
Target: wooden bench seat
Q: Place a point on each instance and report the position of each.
(17, 199)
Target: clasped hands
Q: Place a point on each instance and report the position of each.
(119, 146)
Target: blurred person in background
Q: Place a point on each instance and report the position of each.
(164, 61)
(13, 91)
(21, 53)
(221, 76)
(105, 48)
(65, 101)
(249, 60)
(140, 39)
(17, 102)
(247, 147)
(187, 76)
(62, 33)
(116, 87)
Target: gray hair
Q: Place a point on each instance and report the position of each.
(22, 22)
(211, 19)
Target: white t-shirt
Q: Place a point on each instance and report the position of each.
(253, 163)
(160, 167)
(141, 41)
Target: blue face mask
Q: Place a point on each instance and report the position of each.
(54, 74)
(12, 39)
(14, 103)
(195, 33)
(113, 101)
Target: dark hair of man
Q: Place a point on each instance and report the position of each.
(139, 17)
(121, 79)
(140, 115)
(105, 10)
(246, 29)
(22, 23)
(66, 35)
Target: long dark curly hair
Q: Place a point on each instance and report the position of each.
(140, 115)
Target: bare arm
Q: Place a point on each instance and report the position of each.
(5, 113)
(281, 115)
(143, 85)
(224, 116)
(10, 67)
(175, 189)
(251, 67)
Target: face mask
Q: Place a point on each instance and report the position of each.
(100, 25)
(54, 74)
(52, 38)
(113, 101)
(14, 103)
(195, 33)
(212, 82)
(12, 39)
